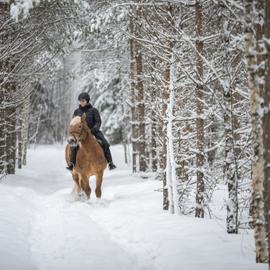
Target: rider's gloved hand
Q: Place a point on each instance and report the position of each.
(94, 130)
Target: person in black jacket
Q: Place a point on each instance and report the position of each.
(94, 122)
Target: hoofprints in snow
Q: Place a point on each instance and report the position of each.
(42, 226)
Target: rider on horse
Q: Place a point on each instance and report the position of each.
(94, 122)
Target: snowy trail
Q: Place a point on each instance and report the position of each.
(59, 232)
(65, 237)
(43, 227)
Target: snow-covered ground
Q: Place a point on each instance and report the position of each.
(42, 226)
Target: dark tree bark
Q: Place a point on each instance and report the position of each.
(139, 85)
(266, 125)
(200, 158)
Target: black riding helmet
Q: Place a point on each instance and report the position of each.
(84, 96)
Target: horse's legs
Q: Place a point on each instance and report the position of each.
(85, 185)
(99, 178)
(77, 183)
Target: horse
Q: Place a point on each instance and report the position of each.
(90, 159)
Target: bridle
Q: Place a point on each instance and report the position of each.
(79, 137)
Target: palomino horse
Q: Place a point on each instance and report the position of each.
(90, 159)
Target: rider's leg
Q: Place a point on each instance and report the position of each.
(73, 153)
(106, 148)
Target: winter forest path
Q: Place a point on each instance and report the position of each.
(56, 231)
(43, 227)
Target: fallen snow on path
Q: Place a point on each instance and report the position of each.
(42, 225)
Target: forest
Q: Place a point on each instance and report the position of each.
(182, 85)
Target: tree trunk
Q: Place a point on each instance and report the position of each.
(3, 148)
(154, 126)
(11, 140)
(134, 126)
(230, 166)
(165, 99)
(200, 159)
(11, 122)
(171, 164)
(19, 140)
(25, 128)
(266, 128)
(139, 85)
(257, 132)
(166, 79)
(3, 91)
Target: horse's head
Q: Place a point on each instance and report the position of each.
(77, 130)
